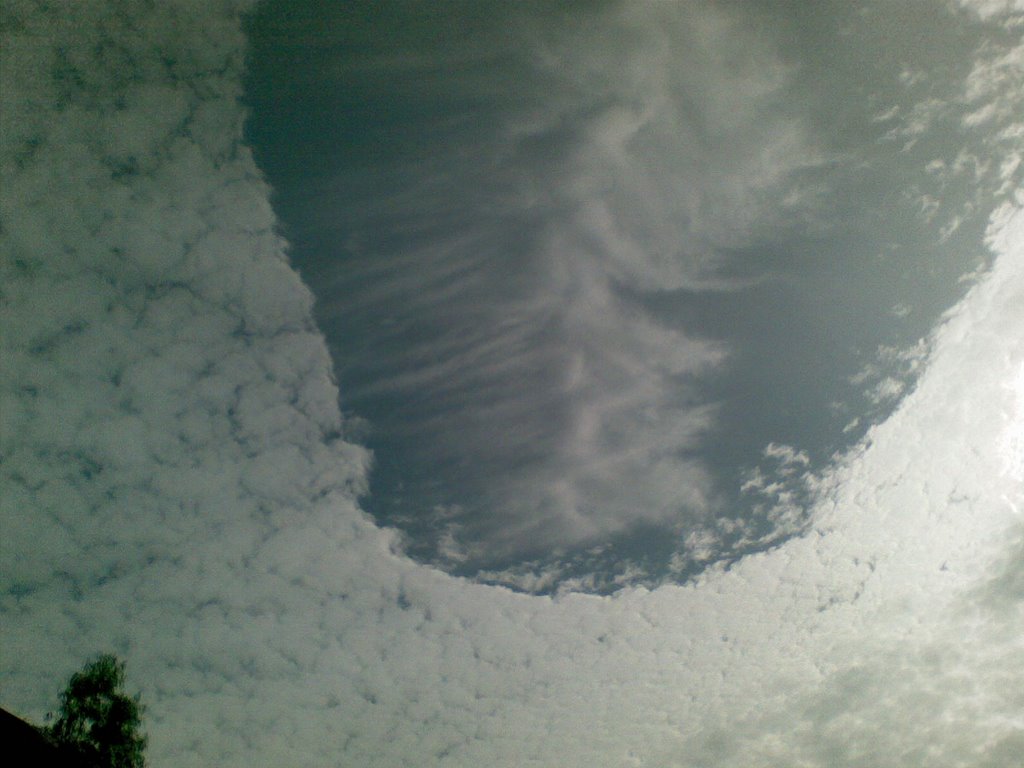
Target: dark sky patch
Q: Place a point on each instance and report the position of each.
(536, 238)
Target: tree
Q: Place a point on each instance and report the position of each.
(98, 722)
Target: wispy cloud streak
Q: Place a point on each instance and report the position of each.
(497, 275)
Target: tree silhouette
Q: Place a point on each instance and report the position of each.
(98, 722)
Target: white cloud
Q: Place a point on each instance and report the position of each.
(993, 9)
(891, 371)
(175, 490)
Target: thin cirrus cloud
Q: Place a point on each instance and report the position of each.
(178, 488)
(497, 260)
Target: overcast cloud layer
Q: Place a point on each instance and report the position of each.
(179, 486)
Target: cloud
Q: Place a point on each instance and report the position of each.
(177, 487)
(993, 9)
(891, 371)
(497, 294)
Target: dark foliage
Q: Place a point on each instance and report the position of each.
(97, 720)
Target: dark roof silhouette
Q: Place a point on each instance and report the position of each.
(25, 746)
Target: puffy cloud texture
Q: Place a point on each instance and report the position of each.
(178, 488)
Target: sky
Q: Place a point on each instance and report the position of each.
(457, 384)
(578, 266)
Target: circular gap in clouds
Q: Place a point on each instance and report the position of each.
(514, 223)
(266, 625)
